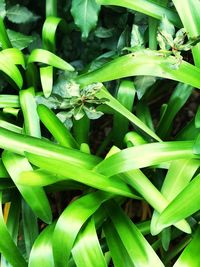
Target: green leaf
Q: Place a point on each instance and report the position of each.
(2, 8)
(29, 109)
(145, 155)
(9, 101)
(185, 204)
(19, 40)
(70, 223)
(88, 177)
(43, 243)
(178, 177)
(10, 126)
(138, 249)
(102, 32)
(156, 64)
(118, 252)
(137, 179)
(147, 7)
(7, 246)
(8, 59)
(118, 107)
(189, 256)
(85, 13)
(191, 21)
(88, 253)
(49, 33)
(35, 197)
(46, 57)
(92, 113)
(177, 100)
(30, 226)
(20, 14)
(137, 39)
(197, 118)
(18, 143)
(166, 31)
(46, 76)
(125, 96)
(4, 40)
(142, 84)
(57, 129)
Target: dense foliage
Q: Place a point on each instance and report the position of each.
(99, 133)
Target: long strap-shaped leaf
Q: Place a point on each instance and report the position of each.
(29, 109)
(56, 127)
(145, 155)
(9, 101)
(7, 245)
(35, 197)
(46, 57)
(144, 62)
(49, 33)
(82, 175)
(185, 204)
(4, 39)
(119, 108)
(87, 250)
(125, 96)
(189, 256)
(9, 68)
(177, 100)
(46, 77)
(179, 175)
(70, 223)
(119, 255)
(147, 7)
(137, 247)
(43, 243)
(19, 143)
(138, 180)
(14, 55)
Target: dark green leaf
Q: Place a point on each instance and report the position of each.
(19, 40)
(20, 14)
(85, 13)
(2, 8)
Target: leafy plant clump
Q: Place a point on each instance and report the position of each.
(99, 133)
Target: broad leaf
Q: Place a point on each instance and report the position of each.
(19, 40)
(85, 13)
(2, 8)
(20, 14)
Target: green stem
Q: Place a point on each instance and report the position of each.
(5, 42)
(51, 8)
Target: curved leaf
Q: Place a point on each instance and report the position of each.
(82, 175)
(7, 245)
(87, 250)
(70, 223)
(49, 33)
(147, 7)
(189, 256)
(43, 244)
(56, 127)
(184, 204)
(46, 57)
(139, 250)
(146, 62)
(35, 197)
(9, 68)
(19, 143)
(145, 155)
